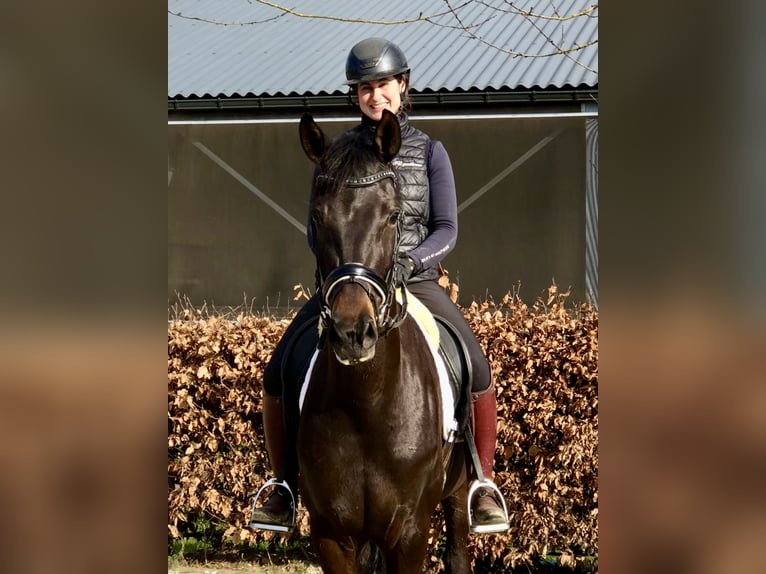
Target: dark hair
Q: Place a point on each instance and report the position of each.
(406, 99)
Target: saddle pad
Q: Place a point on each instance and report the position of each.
(422, 316)
(427, 324)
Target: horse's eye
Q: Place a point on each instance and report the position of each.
(316, 216)
(393, 219)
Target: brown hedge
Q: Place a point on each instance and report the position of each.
(544, 361)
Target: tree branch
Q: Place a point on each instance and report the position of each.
(285, 11)
(219, 23)
(531, 16)
(528, 16)
(529, 13)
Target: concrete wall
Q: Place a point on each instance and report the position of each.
(238, 199)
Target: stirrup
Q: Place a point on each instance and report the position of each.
(486, 528)
(272, 526)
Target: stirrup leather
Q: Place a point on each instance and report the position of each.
(485, 528)
(274, 482)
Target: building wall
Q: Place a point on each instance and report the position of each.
(238, 199)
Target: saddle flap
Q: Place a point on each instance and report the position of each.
(457, 361)
(297, 357)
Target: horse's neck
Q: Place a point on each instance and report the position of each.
(371, 381)
(397, 390)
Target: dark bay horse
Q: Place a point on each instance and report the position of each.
(373, 461)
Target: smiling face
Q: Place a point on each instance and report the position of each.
(378, 95)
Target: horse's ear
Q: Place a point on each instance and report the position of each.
(388, 136)
(312, 138)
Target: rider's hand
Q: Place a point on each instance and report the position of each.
(403, 269)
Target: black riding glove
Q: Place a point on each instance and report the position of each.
(403, 269)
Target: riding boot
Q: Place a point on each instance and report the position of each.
(278, 509)
(485, 506)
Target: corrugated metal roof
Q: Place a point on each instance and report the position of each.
(258, 50)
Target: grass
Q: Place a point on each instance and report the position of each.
(295, 557)
(265, 553)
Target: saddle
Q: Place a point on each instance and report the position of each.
(451, 349)
(301, 350)
(453, 352)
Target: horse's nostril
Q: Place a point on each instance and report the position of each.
(371, 332)
(365, 330)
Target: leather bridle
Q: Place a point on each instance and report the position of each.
(380, 291)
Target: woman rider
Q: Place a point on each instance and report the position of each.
(378, 74)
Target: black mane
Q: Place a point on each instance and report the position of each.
(351, 156)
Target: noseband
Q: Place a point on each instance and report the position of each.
(381, 292)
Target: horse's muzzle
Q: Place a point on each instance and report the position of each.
(353, 332)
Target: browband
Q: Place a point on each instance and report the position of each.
(362, 181)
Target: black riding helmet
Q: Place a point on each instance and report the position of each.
(373, 59)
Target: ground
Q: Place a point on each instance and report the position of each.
(176, 567)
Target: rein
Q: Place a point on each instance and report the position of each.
(381, 292)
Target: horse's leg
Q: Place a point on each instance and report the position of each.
(456, 560)
(407, 558)
(335, 557)
(408, 554)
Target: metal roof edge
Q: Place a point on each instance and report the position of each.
(436, 99)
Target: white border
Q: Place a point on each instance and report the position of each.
(321, 119)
